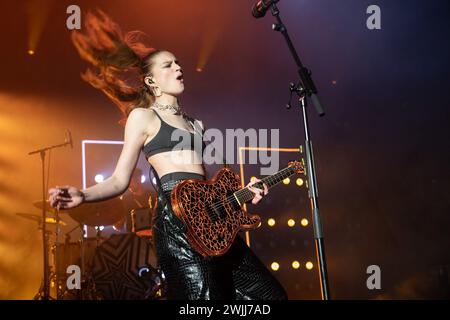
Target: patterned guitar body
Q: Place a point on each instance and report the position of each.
(212, 214)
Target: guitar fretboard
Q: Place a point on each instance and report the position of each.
(245, 195)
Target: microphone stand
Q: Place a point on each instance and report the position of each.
(45, 294)
(306, 89)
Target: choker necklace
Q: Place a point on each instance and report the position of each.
(164, 107)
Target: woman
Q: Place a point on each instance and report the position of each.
(153, 115)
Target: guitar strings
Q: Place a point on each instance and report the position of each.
(219, 205)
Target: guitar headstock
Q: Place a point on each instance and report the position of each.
(298, 166)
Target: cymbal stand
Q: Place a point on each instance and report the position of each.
(42, 294)
(83, 270)
(45, 294)
(57, 254)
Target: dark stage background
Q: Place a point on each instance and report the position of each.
(381, 151)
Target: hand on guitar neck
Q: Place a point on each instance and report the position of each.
(254, 186)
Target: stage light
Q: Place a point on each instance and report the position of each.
(154, 180)
(309, 265)
(275, 266)
(299, 182)
(143, 179)
(286, 181)
(38, 12)
(291, 222)
(210, 36)
(295, 264)
(304, 222)
(99, 228)
(99, 178)
(271, 222)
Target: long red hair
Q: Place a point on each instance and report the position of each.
(119, 63)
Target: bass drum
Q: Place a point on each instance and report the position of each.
(71, 253)
(125, 268)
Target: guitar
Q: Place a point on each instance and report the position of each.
(212, 210)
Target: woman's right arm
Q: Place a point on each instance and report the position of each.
(135, 135)
(134, 138)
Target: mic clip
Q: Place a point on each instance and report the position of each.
(301, 92)
(278, 27)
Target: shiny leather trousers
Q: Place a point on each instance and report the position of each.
(238, 274)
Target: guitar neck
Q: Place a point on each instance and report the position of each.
(245, 195)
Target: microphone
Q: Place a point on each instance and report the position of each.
(260, 8)
(69, 137)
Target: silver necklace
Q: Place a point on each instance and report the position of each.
(176, 110)
(164, 107)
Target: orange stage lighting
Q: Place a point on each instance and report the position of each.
(37, 12)
(212, 31)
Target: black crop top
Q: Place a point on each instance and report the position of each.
(163, 142)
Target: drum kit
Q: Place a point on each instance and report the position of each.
(122, 266)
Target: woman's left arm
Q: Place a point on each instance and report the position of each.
(259, 193)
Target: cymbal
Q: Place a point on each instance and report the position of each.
(53, 221)
(102, 213)
(38, 218)
(38, 204)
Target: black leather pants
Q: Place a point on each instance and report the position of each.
(238, 274)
